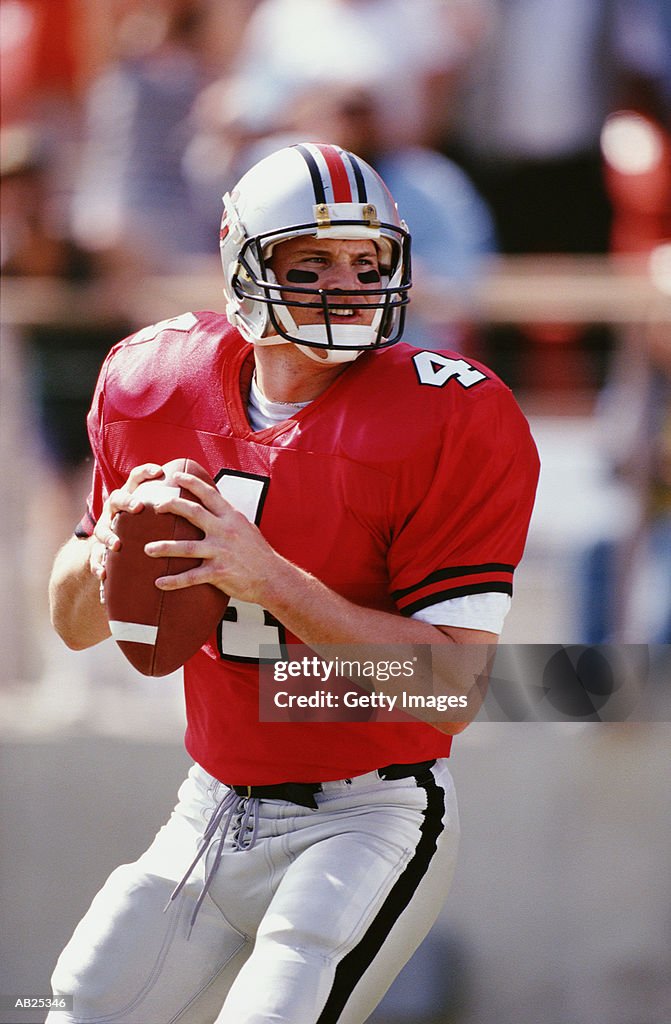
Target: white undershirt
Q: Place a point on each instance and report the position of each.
(474, 611)
(264, 413)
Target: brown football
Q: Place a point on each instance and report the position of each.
(158, 630)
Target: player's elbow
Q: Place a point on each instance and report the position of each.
(77, 636)
(61, 614)
(72, 639)
(450, 728)
(77, 624)
(74, 606)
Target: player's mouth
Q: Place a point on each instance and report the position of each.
(349, 314)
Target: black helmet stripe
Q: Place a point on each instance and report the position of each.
(317, 183)
(358, 177)
(316, 174)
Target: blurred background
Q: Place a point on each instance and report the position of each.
(528, 144)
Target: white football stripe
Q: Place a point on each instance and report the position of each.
(154, 491)
(135, 632)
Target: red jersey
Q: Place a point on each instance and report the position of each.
(408, 481)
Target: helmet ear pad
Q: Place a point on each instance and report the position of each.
(242, 308)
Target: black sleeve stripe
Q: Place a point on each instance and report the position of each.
(85, 526)
(447, 595)
(448, 574)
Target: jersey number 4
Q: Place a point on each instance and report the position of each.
(435, 369)
(247, 632)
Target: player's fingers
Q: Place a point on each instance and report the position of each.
(146, 471)
(97, 559)
(122, 499)
(182, 580)
(206, 493)
(104, 533)
(190, 510)
(178, 549)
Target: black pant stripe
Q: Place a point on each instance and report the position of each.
(352, 967)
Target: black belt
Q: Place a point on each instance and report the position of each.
(303, 793)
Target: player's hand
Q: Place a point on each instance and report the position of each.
(236, 558)
(104, 537)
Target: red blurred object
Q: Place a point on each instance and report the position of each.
(637, 166)
(38, 50)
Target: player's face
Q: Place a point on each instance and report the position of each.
(347, 265)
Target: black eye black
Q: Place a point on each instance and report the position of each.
(302, 276)
(369, 277)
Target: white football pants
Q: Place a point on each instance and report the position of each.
(308, 926)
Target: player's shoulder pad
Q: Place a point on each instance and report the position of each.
(441, 381)
(172, 343)
(438, 370)
(179, 353)
(460, 402)
(198, 327)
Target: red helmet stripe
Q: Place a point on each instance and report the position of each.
(342, 192)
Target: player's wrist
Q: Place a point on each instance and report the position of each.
(281, 589)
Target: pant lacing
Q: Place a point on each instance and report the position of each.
(244, 837)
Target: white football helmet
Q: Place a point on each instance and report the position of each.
(327, 192)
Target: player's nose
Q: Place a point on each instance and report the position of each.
(342, 278)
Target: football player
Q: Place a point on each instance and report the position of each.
(367, 493)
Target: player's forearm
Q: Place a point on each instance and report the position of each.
(335, 627)
(76, 612)
(317, 614)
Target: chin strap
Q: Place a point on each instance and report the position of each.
(360, 335)
(331, 355)
(318, 353)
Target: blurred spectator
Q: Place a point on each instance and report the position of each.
(546, 75)
(131, 202)
(406, 54)
(627, 584)
(540, 88)
(650, 611)
(625, 594)
(59, 362)
(636, 139)
(644, 50)
(452, 230)
(65, 359)
(627, 589)
(32, 238)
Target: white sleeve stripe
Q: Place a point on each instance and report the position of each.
(474, 611)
